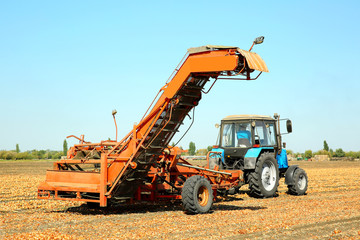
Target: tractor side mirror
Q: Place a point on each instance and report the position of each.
(284, 144)
(289, 126)
(217, 125)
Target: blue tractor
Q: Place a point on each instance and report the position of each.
(252, 143)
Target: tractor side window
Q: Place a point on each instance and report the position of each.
(260, 133)
(266, 133)
(227, 139)
(270, 134)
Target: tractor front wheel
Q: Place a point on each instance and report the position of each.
(264, 180)
(197, 195)
(300, 181)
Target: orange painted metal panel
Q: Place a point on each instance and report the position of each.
(72, 187)
(72, 177)
(103, 181)
(207, 62)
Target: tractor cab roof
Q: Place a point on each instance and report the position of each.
(247, 117)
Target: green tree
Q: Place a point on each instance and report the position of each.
(65, 148)
(350, 154)
(339, 153)
(57, 155)
(17, 148)
(37, 154)
(209, 148)
(42, 154)
(9, 155)
(173, 144)
(308, 154)
(23, 155)
(2, 154)
(192, 148)
(326, 146)
(321, 152)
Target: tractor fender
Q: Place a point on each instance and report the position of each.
(289, 180)
(252, 155)
(221, 151)
(282, 159)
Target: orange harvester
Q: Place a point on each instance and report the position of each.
(142, 165)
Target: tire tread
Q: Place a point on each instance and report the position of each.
(254, 178)
(188, 196)
(293, 189)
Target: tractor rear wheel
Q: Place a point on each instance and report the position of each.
(197, 195)
(300, 183)
(264, 180)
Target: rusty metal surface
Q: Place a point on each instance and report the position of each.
(254, 60)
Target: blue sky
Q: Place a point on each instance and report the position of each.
(64, 65)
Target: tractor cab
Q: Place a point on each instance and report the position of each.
(247, 131)
(243, 138)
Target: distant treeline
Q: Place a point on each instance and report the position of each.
(49, 154)
(34, 154)
(338, 153)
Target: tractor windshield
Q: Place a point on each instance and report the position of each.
(236, 135)
(265, 133)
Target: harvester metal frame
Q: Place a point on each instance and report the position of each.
(142, 166)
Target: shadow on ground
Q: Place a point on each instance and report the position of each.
(155, 207)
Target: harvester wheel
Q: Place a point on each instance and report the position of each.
(197, 195)
(300, 183)
(264, 180)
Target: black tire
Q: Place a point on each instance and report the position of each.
(300, 183)
(197, 195)
(264, 180)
